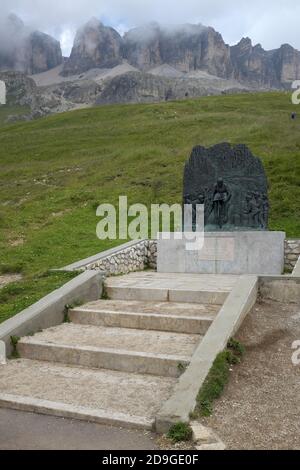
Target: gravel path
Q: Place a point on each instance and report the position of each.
(260, 408)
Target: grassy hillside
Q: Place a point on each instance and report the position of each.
(6, 111)
(55, 171)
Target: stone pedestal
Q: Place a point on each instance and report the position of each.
(249, 252)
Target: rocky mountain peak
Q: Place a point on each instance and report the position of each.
(141, 46)
(286, 48)
(24, 50)
(186, 47)
(245, 45)
(258, 48)
(181, 50)
(45, 52)
(95, 46)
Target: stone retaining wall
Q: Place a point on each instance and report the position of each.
(138, 257)
(144, 254)
(292, 253)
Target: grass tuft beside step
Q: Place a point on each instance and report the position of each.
(218, 377)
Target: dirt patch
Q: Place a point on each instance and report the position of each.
(61, 213)
(260, 406)
(8, 278)
(17, 242)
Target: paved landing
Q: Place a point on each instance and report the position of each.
(170, 287)
(173, 281)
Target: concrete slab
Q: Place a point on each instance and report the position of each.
(175, 287)
(155, 280)
(136, 293)
(152, 308)
(131, 340)
(250, 252)
(165, 365)
(163, 316)
(102, 396)
(122, 349)
(201, 296)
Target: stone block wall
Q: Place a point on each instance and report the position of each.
(143, 255)
(292, 253)
(138, 257)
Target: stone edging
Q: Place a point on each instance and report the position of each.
(205, 438)
(183, 401)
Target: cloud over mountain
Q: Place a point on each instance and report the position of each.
(271, 22)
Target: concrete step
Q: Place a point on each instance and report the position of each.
(102, 396)
(122, 349)
(160, 287)
(162, 316)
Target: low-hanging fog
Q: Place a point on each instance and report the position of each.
(271, 23)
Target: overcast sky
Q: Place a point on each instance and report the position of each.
(269, 22)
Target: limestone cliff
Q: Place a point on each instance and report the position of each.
(272, 69)
(95, 46)
(185, 47)
(26, 51)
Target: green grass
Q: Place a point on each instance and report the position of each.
(14, 342)
(17, 296)
(218, 377)
(55, 171)
(14, 110)
(180, 432)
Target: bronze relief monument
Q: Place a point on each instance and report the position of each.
(231, 183)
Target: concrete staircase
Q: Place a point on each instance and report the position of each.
(118, 360)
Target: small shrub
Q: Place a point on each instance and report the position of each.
(69, 307)
(181, 367)
(66, 313)
(180, 432)
(104, 295)
(14, 342)
(206, 408)
(236, 346)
